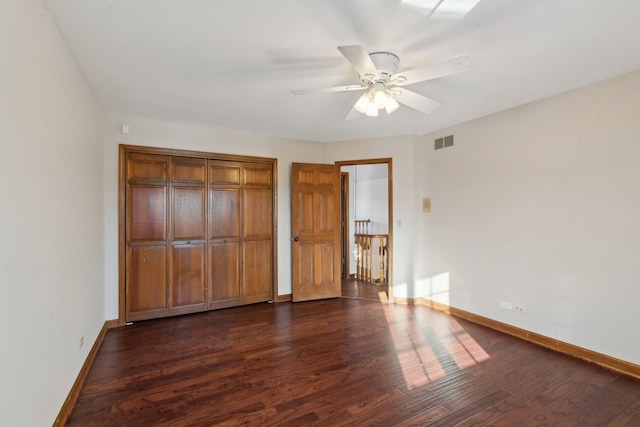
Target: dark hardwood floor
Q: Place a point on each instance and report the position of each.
(353, 288)
(339, 362)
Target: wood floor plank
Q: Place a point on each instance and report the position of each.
(338, 362)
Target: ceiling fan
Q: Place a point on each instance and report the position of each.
(384, 87)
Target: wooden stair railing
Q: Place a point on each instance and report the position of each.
(371, 254)
(362, 226)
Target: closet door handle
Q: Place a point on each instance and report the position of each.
(295, 239)
(186, 242)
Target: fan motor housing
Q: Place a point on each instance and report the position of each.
(386, 63)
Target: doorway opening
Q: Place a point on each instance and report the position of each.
(366, 228)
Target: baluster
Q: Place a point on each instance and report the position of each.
(381, 263)
(386, 259)
(366, 260)
(362, 256)
(369, 241)
(358, 255)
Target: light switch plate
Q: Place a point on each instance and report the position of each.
(426, 205)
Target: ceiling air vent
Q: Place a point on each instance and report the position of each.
(444, 142)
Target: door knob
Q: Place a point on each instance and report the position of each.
(295, 239)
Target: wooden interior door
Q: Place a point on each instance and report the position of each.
(315, 229)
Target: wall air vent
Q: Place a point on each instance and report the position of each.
(448, 141)
(443, 142)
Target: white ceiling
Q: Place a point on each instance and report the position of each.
(232, 63)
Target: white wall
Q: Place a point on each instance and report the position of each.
(539, 206)
(156, 133)
(51, 257)
(371, 194)
(371, 203)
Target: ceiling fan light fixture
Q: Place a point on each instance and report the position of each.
(363, 103)
(392, 105)
(372, 110)
(380, 98)
(376, 99)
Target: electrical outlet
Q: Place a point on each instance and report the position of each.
(506, 305)
(518, 308)
(81, 341)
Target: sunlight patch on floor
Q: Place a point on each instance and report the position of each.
(440, 348)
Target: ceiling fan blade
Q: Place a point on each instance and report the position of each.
(417, 102)
(349, 88)
(454, 65)
(359, 60)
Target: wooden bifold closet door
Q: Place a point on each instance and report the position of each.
(198, 233)
(187, 201)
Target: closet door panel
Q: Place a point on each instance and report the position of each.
(188, 217)
(187, 278)
(146, 232)
(188, 235)
(256, 272)
(147, 167)
(148, 214)
(256, 213)
(256, 174)
(257, 205)
(224, 265)
(224, 173)
(224, 213)
(146, 296)
(225, 255)
(188, 170)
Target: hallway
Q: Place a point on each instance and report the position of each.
(352, 288)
